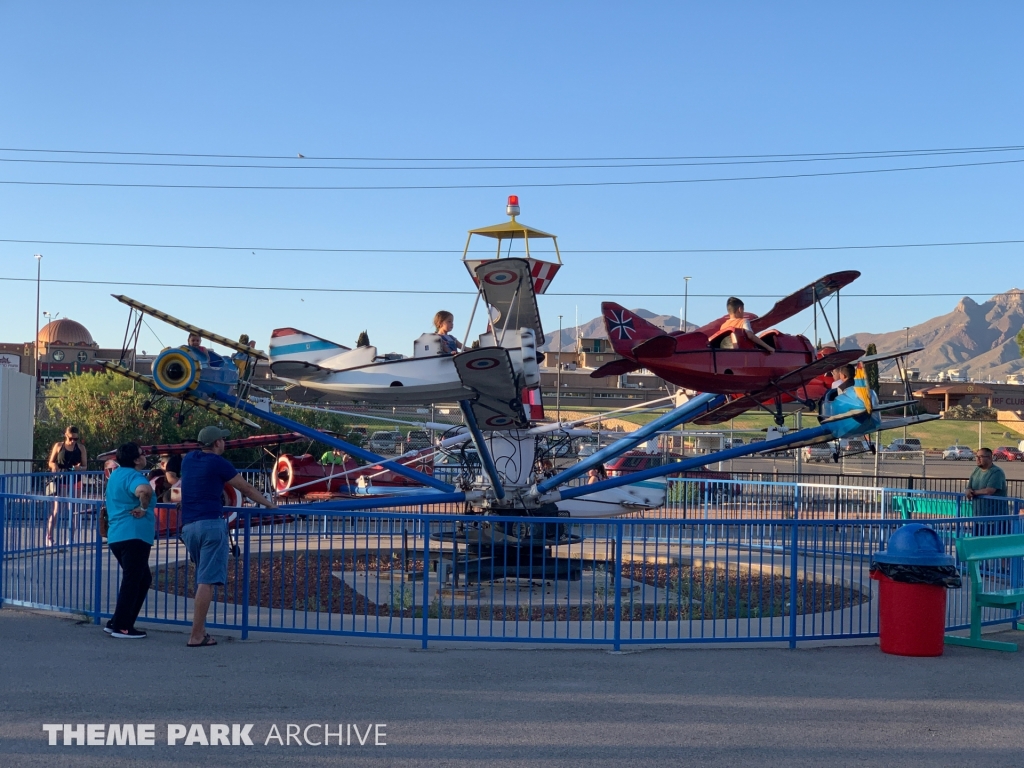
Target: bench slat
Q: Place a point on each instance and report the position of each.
(990, 547)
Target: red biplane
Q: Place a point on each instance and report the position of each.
(719, 361)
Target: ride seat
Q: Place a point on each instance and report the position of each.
(730, 340)
(428, 345)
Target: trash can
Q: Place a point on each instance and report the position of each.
(913, 573)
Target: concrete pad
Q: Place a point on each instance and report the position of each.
(506, 705)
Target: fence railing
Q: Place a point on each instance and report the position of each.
(728, 562)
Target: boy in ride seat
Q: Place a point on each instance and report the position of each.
(740, 326)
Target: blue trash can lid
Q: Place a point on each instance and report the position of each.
(914, 544)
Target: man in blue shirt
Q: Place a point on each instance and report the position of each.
(131, 526)
(204, 473)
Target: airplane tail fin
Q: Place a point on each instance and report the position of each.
(291, 345)
(626, 329)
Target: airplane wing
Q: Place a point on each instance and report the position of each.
(218, 408)
(256, 441)
(488, 372)
(874, 409)
(659, 346)
(792, 304)
(296, 369)
(171, 320)
(732, 408)
(507, 285)
(616, 368)
(889, 355)
(803, 299)
(783, 385)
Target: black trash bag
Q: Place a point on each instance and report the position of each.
(934, 575)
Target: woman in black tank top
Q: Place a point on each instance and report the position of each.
(66, 456)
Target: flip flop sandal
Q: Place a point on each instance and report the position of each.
(207, 641)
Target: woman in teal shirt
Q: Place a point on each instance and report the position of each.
(130, 537)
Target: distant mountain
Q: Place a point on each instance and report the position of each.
(594, 329)
(978, 338)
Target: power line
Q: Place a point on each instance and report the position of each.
(320, 289)
(698, 163)
(298, 249)
(521, 185)
(500, 159)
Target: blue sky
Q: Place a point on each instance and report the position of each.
(518, 80)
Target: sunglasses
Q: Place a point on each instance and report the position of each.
(71, 438)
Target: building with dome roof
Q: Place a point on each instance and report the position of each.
(65, 347)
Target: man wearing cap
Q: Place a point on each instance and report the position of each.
(204, 530)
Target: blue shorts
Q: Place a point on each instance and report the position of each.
(207, 545)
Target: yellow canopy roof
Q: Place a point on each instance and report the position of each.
(509, 229)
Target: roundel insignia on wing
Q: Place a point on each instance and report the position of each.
(499, 421)
(483, 364)
(501, 277)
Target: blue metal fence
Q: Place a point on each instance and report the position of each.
(723, 562)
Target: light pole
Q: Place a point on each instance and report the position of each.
(558, 375)
(35, 342)
(686, 301)
(907, 329)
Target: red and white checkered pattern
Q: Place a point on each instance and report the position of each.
(543, 272)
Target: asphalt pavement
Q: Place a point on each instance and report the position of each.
(501, 705)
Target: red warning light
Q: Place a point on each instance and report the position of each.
(512, 209)
(513, 199)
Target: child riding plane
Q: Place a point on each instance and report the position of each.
(739, 324)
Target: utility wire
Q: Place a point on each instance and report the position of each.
(274, 249)
(500, 159)
(520, 185)
(312, 167)
(278, 288)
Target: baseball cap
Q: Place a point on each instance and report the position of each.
(210, 435)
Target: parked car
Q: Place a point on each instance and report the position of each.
(958, 453)
(383, 442)
(821, 452)
(587, 449)
(853, 446)
(1007, 453)
(417, 440)
(904, 444)
(458, 458)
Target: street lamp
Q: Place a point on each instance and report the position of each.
(35, 342)
(907, 329)
(558, 375)
(686, 301)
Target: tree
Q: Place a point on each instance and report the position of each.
(871, 369)
(109, 412)
(363, 340)
(1020, 341)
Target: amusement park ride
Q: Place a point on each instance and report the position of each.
(497, 386)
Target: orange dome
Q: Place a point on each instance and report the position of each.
(65, 331)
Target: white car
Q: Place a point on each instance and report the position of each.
(821, 452)
(958, 453)
(587, 449)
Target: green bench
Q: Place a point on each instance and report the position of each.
(907, 506)
(974, 551)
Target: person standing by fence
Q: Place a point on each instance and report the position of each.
(204, 473)
(986, 490)
(66, 455)
(132, 526)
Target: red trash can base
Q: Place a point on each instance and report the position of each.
(911, 617)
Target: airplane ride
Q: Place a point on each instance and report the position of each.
(497, 388)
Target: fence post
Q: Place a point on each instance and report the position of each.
(246, 573)
(792, 584)
(426, 583)
(618, 585)
(3, 531)
(98, 592)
